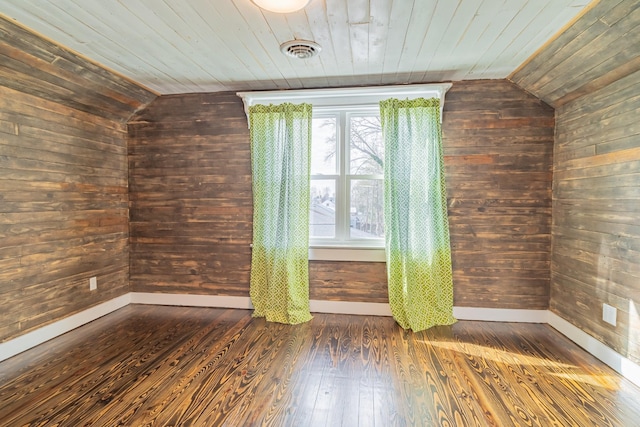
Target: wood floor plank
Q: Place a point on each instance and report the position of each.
(179, 366)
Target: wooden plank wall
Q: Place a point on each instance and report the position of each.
(190, 196)
(498, 146)
(191, 206)
(596, 211)
(63, 181)
(591, 73)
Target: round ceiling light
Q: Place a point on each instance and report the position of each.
(281, 6)
(300, 49)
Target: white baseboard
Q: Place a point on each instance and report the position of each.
(619, 363)
(222, 301)
(615, 360)
(338, 307)
(31, 339)
(345, 307)
(189, 300)
(500, 314)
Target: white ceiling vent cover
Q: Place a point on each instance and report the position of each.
(301, 49)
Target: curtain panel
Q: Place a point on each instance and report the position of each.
(280, 162)
(418, 250)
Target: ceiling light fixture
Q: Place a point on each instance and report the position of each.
(281, 6)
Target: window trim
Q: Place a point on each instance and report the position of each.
(348, 98)
(335, 253)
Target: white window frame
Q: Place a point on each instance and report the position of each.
(356, 100)
(343, 179)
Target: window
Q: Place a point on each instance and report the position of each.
(347, 180)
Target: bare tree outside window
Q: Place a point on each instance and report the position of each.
(366, 149)
(366, 154)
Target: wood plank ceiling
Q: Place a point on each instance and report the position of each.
(180, 46)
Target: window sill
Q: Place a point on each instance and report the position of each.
(333, 253)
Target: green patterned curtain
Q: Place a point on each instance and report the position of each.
(280, 161)
(415, 209)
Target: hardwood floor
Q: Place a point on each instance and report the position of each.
(177, 366)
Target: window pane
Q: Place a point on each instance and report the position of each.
(366, 149)
(322, 214)
(323, 146)
(366, 220)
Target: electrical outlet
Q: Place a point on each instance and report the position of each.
(609, 314)
(93, 283)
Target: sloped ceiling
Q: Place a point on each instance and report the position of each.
(601, 47)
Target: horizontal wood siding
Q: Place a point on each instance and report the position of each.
(63, 181)
(191, 204)
(348, 281)
(190, 195)
(498, 146)
(596, 210)
(592, 74)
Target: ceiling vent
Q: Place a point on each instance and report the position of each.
(301, 49)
